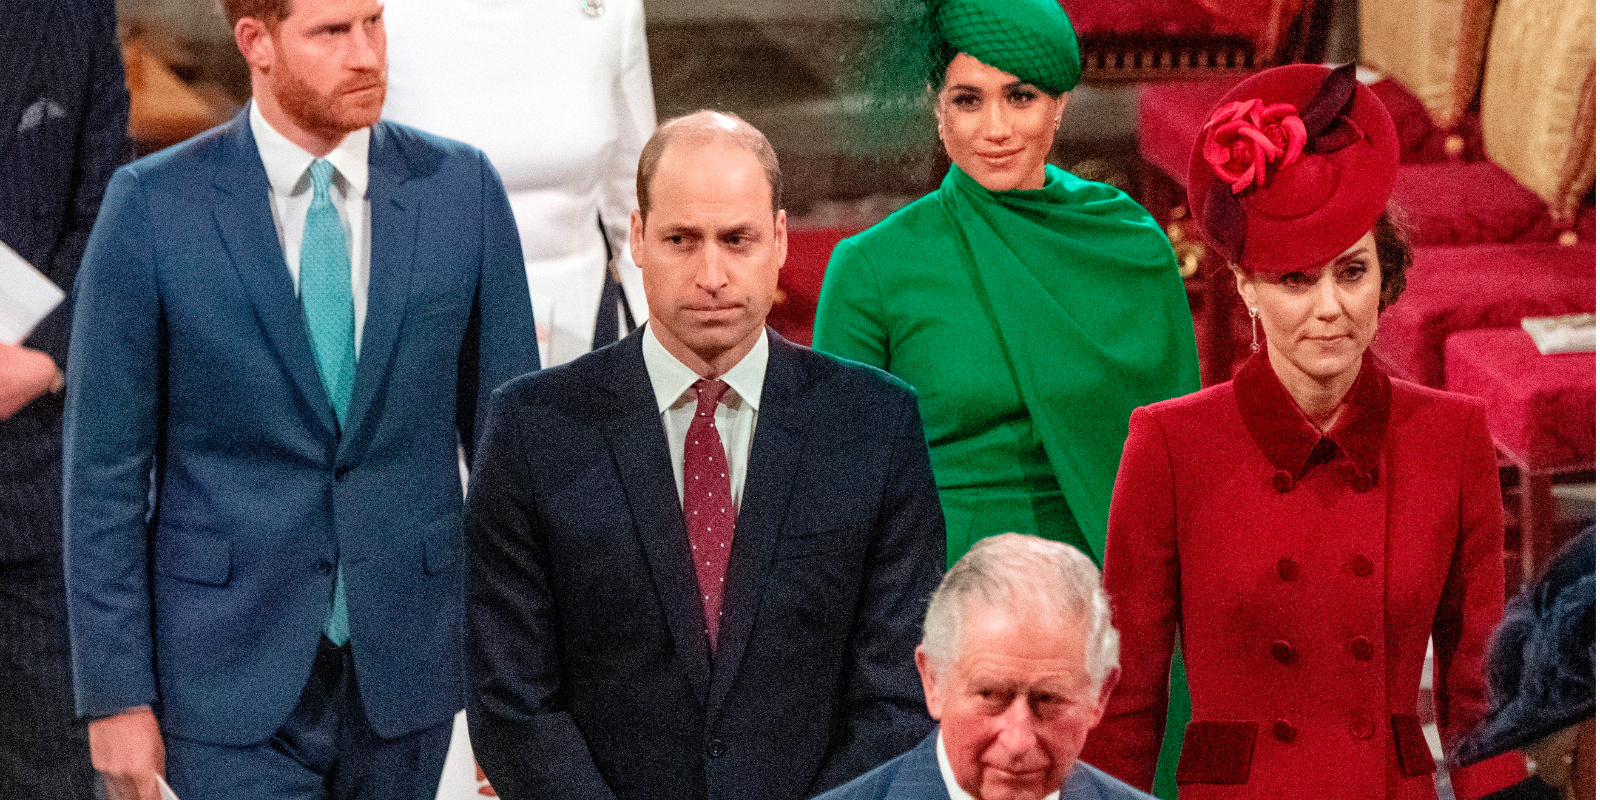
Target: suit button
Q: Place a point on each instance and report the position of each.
(1283, 731)
(1362, 482)
(340, 472)
(1282, 481)
(1287, 569)
(1361, 566)
(1361, 648)
(324, 567)
(714, 748)
(1284, 652)
(1361, 727)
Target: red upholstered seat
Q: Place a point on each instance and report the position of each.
(800, 280)
(1171, 115)
(1541, 407)
(1470, 203)
(1451, 289)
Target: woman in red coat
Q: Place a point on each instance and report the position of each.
(1309, 525)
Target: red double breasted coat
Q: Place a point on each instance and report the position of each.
(1306, 572)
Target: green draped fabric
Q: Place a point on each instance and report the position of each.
(1031, 324)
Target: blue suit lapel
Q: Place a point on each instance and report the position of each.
(774, 458)
(394, 203)
(639, 444)
(244, 218)
(918, 777)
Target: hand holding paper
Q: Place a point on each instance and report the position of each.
(26, 296)
(24, 375)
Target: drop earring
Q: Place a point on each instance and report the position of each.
(1255, 344)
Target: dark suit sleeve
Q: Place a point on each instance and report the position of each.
(113, 404)
(522, 733)
(102, 146)
(500, 342)
(882, 705)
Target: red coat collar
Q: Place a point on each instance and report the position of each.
(1287, 438)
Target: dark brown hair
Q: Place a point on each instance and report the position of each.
(1394, 254)
(270, 12)
(706, 126)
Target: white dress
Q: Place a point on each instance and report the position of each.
(557, 93)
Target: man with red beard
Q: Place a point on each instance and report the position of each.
(284, 328)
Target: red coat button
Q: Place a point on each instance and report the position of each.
(1287, 569)
(1361, 566)
(1361, 648)
(1283, 731)
(1284, 652)
(1362, 482)
(1361, 728)
(1282, 481)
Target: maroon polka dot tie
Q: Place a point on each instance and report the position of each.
(708, 501)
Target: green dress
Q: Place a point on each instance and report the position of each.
(1031, 324)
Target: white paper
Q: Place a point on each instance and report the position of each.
(1570, 333)
(166, 791)
(26, 296)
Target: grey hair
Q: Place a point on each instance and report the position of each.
(1023, 572)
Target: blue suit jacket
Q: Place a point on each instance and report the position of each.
(914, 775)
(209, 490)
(592, 677)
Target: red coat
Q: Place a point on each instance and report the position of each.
(1306, 573)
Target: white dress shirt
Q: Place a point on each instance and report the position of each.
(673, 383)
(289, 173)
(949, 775)
(558, 96)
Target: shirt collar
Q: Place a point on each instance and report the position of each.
(949, 775)
(672, 380)
(287, 163)
(1287, 437)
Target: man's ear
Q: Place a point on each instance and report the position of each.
(781, 234)
(932, 687)
(255, 43)
(636, 234)
(1108, 686)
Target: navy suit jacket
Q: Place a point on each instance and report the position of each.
(63, 130)
(209, 489)
(591, 673)
(914, 775)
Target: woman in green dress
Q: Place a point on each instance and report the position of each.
(1032, 310)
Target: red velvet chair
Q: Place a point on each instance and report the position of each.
(1541, 415)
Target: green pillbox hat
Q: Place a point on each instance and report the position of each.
(1031, 39)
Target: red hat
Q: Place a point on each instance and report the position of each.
(1294, 166)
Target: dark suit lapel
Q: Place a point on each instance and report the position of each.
(639, 444)
(918, 777)
(774, 456)
(244, 218)
(394, 203)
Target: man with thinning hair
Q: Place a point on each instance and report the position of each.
(284, 329)
(1018, 658)
(696, 558)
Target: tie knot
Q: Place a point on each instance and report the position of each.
(709, 392)
(321, 178)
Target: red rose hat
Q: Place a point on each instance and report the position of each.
(1295, 165)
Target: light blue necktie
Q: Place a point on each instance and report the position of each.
(331, 317)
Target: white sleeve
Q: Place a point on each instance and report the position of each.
(635, 110)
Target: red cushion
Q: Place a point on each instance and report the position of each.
(1420, 141)
(1171, 115)
(1470, 203)
(1450, 289)
(800, 281)
(1541, 408)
